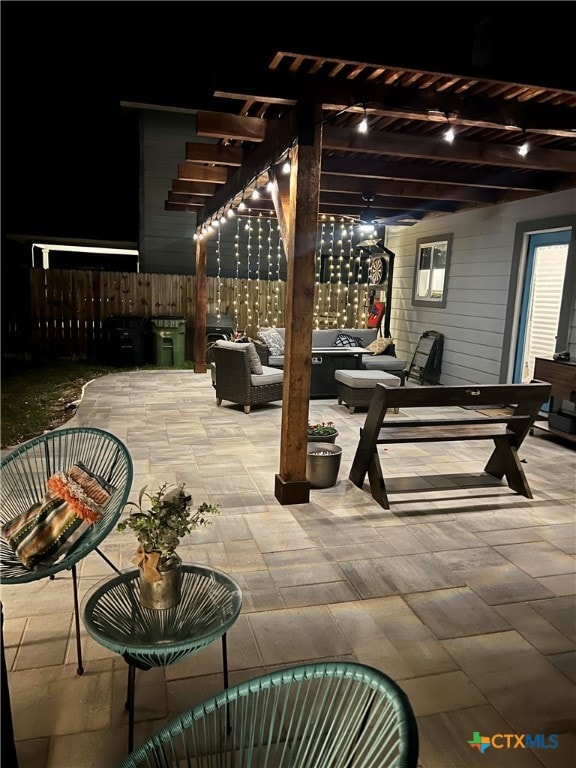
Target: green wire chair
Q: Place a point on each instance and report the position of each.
(325, 715)
(24, 472)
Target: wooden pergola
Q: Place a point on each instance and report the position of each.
(306, 109)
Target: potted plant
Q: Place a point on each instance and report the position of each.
(323, 431)
(159, 530)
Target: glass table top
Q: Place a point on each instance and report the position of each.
(113, 616)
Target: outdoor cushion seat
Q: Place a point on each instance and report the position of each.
(236, 377)
(355, 388)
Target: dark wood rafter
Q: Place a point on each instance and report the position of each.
(203, 152)
(279, 136)
(402, 102)
(379, 168)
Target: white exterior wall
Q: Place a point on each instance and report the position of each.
(473, 321)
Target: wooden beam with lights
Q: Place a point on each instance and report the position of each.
(463, 151)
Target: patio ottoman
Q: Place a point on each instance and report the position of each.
(354, 388)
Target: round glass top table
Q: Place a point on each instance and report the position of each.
(113, 616)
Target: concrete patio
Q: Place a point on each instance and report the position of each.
(463, 592)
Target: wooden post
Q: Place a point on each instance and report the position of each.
(200, 311)
(291, 485)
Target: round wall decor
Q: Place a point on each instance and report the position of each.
(378, 270)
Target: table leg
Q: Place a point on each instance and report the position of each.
(130, 705)
(225, 659)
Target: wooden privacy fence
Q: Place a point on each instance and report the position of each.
(69, 309)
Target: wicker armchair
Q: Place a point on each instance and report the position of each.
(235, 380)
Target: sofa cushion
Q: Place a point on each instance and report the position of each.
(324, 337)
(379, 346)
(382, 363)
(347, 340)
(273, 340)
(240, 346)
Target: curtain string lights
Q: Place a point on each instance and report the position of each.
(218, 275)
(248, 265)
(237, 281)
(269, 282)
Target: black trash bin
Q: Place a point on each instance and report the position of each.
(126, 340)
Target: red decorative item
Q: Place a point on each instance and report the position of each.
(375, 313)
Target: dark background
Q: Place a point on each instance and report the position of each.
(70, 153)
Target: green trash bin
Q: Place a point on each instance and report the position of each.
(168, 340)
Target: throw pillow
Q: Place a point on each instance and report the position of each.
(346, 340)
(273, 340)
(255, 362)
(379, 346)
(46, 531)
(253, 356)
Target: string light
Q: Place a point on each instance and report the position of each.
(286, 167)
(219, 283)
(449, 133)
(248, 259)
(277, 309)
(237, 281)
(269, 286)
(523, 149)
(363, 125)
(333, 278)
(258, 264)
(318, 273)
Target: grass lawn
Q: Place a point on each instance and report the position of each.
(39, 396)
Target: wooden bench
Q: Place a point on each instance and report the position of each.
(507, 432)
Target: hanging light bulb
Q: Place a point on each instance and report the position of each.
(449, 135)
(286, 167)
(230, 213)
(255, 194)
(523, 149)
(363, 126)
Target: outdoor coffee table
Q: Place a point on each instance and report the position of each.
(145, 638)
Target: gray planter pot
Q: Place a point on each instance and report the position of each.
(163, 594)
(323, 438)
(323, 464)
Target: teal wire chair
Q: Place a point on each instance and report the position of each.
(325, 715)
(24, 472)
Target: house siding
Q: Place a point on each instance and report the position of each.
(476, 317)
(166, 237)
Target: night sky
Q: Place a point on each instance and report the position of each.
(70, 153)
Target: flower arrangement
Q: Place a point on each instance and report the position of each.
(322, 428)
(160, 528)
